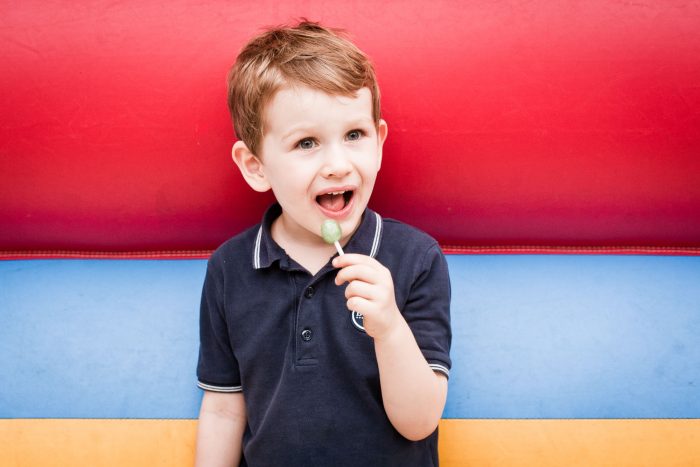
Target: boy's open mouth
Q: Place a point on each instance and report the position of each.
(335, 201)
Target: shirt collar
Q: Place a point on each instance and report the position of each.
(366, 239)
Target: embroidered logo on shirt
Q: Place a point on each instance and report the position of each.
(358, 321)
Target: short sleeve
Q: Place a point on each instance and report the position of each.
(217, 368)
(427, 310)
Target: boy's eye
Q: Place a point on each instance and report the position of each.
(354, 135)
(306, 143)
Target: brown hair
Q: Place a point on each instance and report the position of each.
(307, 54)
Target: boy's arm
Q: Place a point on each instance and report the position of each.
(413, 394)
(222, 422)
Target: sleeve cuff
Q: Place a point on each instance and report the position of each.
(440, 368)
(210, 387)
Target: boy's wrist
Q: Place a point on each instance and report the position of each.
(394, 331)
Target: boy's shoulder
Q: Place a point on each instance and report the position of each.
(396, 238)
(400, 233)
(401, 239)
(237, 249)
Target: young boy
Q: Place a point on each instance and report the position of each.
(291, 375)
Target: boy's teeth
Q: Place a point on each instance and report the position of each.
(333, 201)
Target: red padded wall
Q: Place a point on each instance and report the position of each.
(511, 123)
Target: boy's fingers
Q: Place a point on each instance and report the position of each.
(359, 289)
(358, 272)
(359, 305)
(349, 259)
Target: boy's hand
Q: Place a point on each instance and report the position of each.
(370, 291)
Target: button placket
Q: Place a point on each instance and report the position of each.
(307, 334)
(307, 319)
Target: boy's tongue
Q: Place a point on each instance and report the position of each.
(332, 202)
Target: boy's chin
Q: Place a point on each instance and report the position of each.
(350, 225)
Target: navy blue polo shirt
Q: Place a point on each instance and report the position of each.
(306, 367)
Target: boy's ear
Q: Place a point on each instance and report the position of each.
(250, 166)
(382, 132)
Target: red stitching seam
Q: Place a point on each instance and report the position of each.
(448, 249)
(76, 254)
(575, 250)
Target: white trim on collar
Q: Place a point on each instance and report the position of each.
(377, 235)
(373, 251)
(256, 250)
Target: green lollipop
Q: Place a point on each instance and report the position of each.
(331, 233)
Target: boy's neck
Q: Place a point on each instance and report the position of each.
(312, 255)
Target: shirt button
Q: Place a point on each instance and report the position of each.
(309, 292)
(306, 334)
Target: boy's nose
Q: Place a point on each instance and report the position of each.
(336, 163)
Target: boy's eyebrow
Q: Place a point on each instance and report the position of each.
(361, 121)
(301, 128)
(297, 129)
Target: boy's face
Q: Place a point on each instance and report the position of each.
(320, 155)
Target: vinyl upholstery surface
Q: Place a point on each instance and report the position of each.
(594, 353)
(510, 123)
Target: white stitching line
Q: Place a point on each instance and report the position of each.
(377, 234)
(220, 388)
(256, 252)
